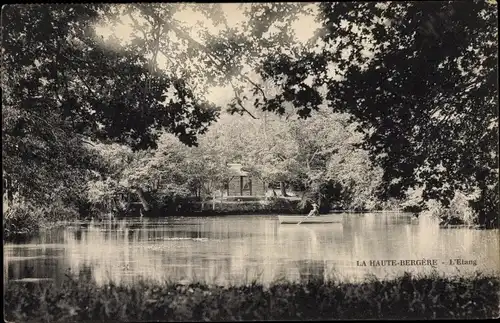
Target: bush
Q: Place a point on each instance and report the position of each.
(407, 297)
(23, 218)
(243, 198)
(262, 206)
(487, 207)
(458, 212)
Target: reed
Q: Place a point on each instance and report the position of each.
(407, 297)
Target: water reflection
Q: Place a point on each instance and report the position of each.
(239, 249)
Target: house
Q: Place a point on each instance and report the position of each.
(242, 183)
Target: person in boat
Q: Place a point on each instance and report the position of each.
(314, 211)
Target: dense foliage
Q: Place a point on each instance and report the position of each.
(403, 298)
(421, 80)
(82, 115)
(159, 178)
(63, 86)
(316, 157)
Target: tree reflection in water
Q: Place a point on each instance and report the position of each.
(241, 249)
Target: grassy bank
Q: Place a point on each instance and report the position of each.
(404, 298)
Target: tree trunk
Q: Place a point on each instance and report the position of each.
(8, 195)
(5, 201)
(283, 189)
(143, 200)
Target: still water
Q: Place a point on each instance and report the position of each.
(240, 249)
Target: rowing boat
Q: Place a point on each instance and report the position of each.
(296, 219)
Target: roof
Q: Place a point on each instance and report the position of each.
(237, 169)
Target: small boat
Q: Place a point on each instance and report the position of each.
(296, 219)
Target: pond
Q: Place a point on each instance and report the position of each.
(239, 249)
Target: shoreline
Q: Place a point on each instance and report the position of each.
(13, 236)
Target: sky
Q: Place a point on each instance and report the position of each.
(304, 28)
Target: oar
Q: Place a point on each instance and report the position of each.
(301, 221)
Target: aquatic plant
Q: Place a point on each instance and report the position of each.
(407, 297)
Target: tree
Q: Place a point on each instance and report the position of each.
(62, 86)
(105, 191)
(272, 154)
(153, 176)
(207, 169)
(203, 57)
(420, 78)
(163, 176)
(309, 154)
(330, 165)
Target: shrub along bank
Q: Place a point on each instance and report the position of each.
(407, 297)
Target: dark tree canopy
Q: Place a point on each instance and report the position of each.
(426, 98)
(420, 79)
(61, 84)
(52, 49)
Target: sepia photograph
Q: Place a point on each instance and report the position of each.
(250, 161)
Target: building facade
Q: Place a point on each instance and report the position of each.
(242, 183)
